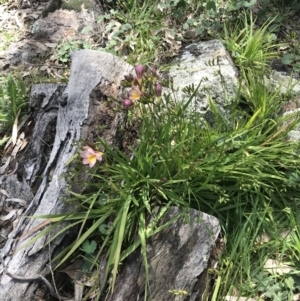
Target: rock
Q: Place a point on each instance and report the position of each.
(209, 63)
(66, 29)
(60, 25)
(284, 83)
(27, 52)
(291, 109)
(177, 257)
(287, 84)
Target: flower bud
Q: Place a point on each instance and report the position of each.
(154, 72)
(139, 70)
(158, 90)
(127, 103)
(129, 78)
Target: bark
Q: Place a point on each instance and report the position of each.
(59, 117)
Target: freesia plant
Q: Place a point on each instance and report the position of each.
(242, 165)
(144, 87)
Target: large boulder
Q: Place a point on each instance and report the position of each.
(177, 256)
(206, 63)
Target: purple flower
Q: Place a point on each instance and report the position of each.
(90, 156)
(139, 70)
(158, 89)
(127, 103)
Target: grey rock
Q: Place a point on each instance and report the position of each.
(284, 83)
(177, 256)
(60, 25)
(209, 63)
(292, 114)
(287, 84)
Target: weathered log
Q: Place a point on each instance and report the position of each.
(59, 118)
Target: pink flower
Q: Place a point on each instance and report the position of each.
(158, 90)
(139, 70)
(90, 156)
(135, 93)
(127, 103)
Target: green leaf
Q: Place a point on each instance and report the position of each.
(250, 3)
(3, 140)
(287, 58)
(12, 93)
(113, 43)
(105, 229)
(289, 282)
(211, 5)
(126, 26)
(89, 247)
(86, 29)
(272, 37)
(64, 59)
(185, 26)
(62, 51)
(109, 26)
(88, 262)
(87, 45)
(102, 200)
(101, 18)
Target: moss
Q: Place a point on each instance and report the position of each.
(76, 4)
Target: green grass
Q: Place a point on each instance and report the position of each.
(13, 103)
(249, 47)
(244, 171)
(133, 30)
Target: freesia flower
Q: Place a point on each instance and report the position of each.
(90, 156)
(127, 103)
(154, 72)
(139, 70)
(135, 93)
(158, 90)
